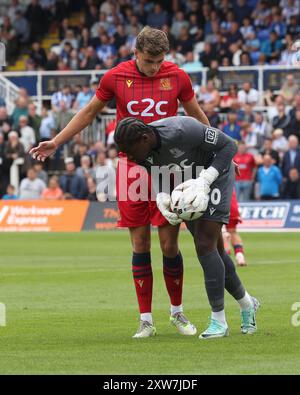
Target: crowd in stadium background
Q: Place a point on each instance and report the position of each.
(201, 33)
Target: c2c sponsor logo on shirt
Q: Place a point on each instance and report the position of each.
(148, 111)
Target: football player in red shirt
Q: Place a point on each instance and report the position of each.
(148, 88)
(231, 236)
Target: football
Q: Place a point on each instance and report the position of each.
(185, 212)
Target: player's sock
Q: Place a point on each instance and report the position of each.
(147, 317)
(214, 274)
(173, 275)
(143, 280)
(233, 284)
(219, 316)
(176, 309)
(238, 248)
(245, 302)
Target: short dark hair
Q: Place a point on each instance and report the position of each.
(153, 41)
(130, 130)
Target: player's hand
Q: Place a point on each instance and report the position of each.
(43, 150)
(163, 201)
(197, 192)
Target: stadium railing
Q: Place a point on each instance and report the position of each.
(42, 84)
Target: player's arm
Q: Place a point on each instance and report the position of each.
(80, 121)
(207, 139)
(193, 109)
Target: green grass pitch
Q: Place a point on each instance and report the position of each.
(71, 309)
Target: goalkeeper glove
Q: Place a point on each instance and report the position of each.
(163, 201)
(197, 193)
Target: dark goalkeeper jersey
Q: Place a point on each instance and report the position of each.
(184, 142)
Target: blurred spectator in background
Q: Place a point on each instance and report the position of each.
(252, 139)
(232, 128)
(85, 170)
(40, 172)
(191, 65)
(291, 188)
(260, 126)
(31, 187)
(8, 36)
(282, 120)
(27, 135)
(212, 115)
(158, 17)
(53, 192)
(269, 179)
(37, 19)
(272, 47)
(73, 186)
(48, 126)
(64, 96)
(294, 127)
(229, 98)
(267, 149)
(291, 158)
(247, 166)
(279, 143)
(92, 189)
(289, 89)
(34, 120)
(21, 109)
(22, 28)
(10, 193)
(248, 95)
(83, 97)
(209, 94)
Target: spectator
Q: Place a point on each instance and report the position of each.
(214, 74)
(52, 61)
(36, 17)
(267, 149)
(247, 28)
(289, 89)
(252, 139)
(232, 127)
(296, 106)
(53, 192)
(34, 120)
(260, 126)
(288, 56)
(212, 115)
(209, 94)
(90, 60)
(282, 120)
(112, 154)
(91, 187)
(158, 17)
(62, 96)
(106, 178)
(13, 150)
(73, 186)
(241, 10)
(272, 47)
(191, 65)
(22, 28)
(20, 109)
(290, 8)
(247, 167)
(63, 116)
(184, 42)
(279, 143)
(277, 24)
(105, 49)
(40, 172)
(31, 187)
(295, 125)
(48, 127)
(291, 158)
(178, 23)
(85, 170)
(10, 193)
(293, 27)
(27, 133)
(234, 36)
(83, 97)
(269, 179)
(248, 95)
(13, 9)
(227, 100)
(8, 36)
(291, 188)
(207, 54)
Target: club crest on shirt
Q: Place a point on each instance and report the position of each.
(129, 83)
(165, 84)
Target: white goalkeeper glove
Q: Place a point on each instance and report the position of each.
(163, 201)
(197, 193)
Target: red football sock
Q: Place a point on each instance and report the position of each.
(143, 280)
(173, 274)
(238, 248)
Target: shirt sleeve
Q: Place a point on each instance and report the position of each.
(186, 92)
(105, 91)
(209, 139)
